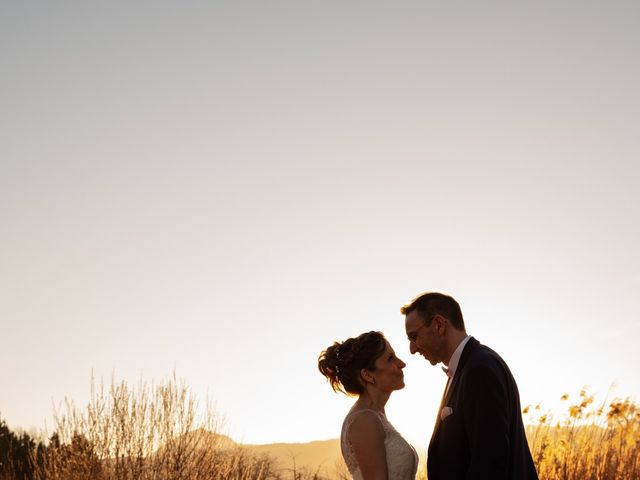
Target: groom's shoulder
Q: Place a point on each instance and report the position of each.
(481, 354)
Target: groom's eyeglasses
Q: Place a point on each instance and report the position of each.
(413, 335)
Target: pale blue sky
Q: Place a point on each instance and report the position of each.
(224, 188)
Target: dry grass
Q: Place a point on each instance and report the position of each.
(155, 432)
(589, 442)
(146, 433)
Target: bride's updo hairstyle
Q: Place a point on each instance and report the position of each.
(341, 363)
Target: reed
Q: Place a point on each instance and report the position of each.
(588, 442)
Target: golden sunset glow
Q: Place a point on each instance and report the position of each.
(222, 190)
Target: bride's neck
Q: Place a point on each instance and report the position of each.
(373, 401)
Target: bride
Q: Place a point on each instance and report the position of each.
(367, 367)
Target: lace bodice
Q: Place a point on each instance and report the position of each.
(402, 459)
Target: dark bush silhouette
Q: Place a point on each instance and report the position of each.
(19, 454)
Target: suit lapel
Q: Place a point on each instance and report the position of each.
(442, 404)
(452, 384)
(466, 352)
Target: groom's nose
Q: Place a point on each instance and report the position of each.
(412, 348)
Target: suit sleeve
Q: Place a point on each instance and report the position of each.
(486, 406)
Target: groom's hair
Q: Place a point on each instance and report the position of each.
(430, 304)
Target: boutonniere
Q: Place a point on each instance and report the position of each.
(445, 412)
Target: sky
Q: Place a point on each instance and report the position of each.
(223, 189)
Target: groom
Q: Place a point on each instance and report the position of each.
(479, 432)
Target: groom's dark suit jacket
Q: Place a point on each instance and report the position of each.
(483, 437)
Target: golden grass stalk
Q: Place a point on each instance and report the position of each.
(588, 442)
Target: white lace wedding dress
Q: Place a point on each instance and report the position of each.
(402, 459)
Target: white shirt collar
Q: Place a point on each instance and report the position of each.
(455, 358)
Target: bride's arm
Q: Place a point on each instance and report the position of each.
(367, 441)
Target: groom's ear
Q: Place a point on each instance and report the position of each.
(441, 323)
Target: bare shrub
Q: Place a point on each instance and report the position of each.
(145, 433)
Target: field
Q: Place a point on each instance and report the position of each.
(589, 442)
(156, 433)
